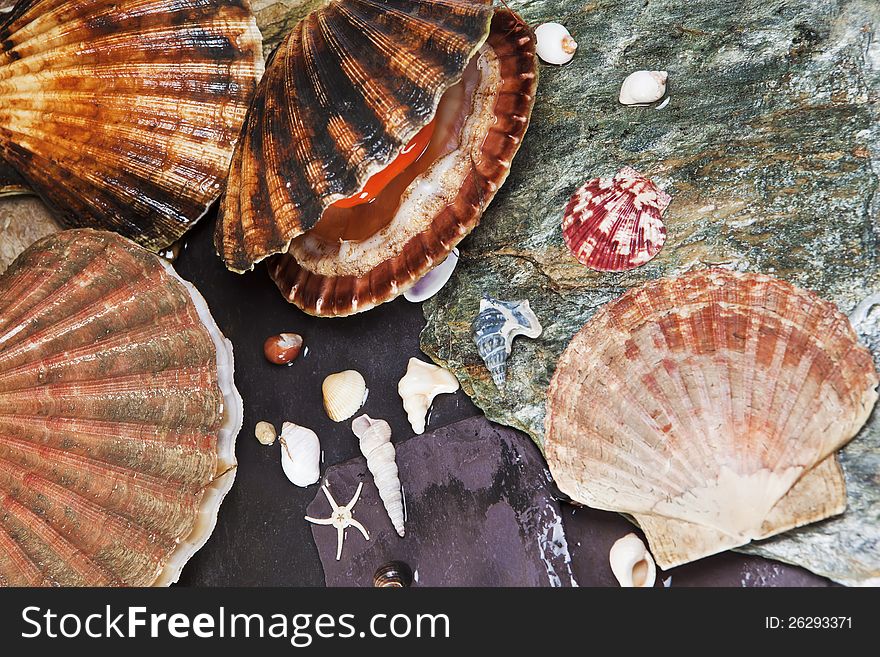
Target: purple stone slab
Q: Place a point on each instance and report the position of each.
(480, 512)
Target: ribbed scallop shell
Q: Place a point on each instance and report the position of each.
(614, 224)
(122, 114)
(344, 92)
(344, 394)
(118, 415)
(710, 407)
(424, 234)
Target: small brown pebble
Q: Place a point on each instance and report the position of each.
(283, 349)
(265, 433)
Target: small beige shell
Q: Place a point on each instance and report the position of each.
(377, 448)
(643, 87)
(422, 382)
(265, 433)
(300, 454)
(344, 394)
(631, 563)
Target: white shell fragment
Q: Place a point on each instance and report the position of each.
(555, 44)
(643, 87)
(265, 433)
(422, 382)
(344, 394)
(432, 282)
(300, 454)
(631, 563)
(377, 448)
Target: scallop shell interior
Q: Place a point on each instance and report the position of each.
(118, 415)
(344, 93)
(355, 259)
(123, 114)
(710, 407)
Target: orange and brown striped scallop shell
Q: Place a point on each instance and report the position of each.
(123, 114)
(441, 206)
(343, 94)
(118, 415)
(710, 407)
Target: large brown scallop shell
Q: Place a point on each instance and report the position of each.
(118, 415)
(342, 96)
(710, 407)
(122, 114)
(349, 277)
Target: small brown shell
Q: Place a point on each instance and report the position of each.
(122, 114)
(345, 91)
(118, 415)
(710, 408)
(484, 164)
(614, 224)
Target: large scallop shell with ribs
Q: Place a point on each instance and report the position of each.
(710, 407)
(118, 415)
(122, 114)
(379, 134)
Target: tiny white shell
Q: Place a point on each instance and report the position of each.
(344, 394)
(422, 382)
(265, 433)
(643, 87)
(432, 282)
(555, 43)
(631, 563)
(300, 454)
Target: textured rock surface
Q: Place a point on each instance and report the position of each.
(479, 513)
(770, 147)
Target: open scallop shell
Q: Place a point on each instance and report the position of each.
(122, 114)
(118, 415)
(322, 124)
(614, 224)
(709, 407)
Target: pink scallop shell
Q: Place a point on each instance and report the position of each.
(614, 224)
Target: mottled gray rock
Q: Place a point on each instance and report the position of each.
(770, 147)
(479, 513)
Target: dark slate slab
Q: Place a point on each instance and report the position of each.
(480, 512)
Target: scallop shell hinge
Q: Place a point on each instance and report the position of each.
(495, 328)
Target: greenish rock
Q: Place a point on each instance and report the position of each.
(770, 147)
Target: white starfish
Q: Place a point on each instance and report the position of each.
(341, 518)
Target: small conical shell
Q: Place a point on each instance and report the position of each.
(118, 415)
(123, 114)
(422, 382)
(300, 454)
(376, 446)
(344, 394)
(709, 407)
(631, 563)
(614, 224)
(495, 328)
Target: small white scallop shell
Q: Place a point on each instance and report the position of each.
(300, 454)
(422, 382)
(555, 43)
(376, 446)
(344, 394)
(631, 563)
(432, 282)
(643, 87)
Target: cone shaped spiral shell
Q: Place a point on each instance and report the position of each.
(495, 328)
(374, 437)
(123, 114)
(710, 407)
(118, 415)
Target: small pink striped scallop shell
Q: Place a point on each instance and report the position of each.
(614, 224)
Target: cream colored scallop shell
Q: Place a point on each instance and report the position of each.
(344, 394)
